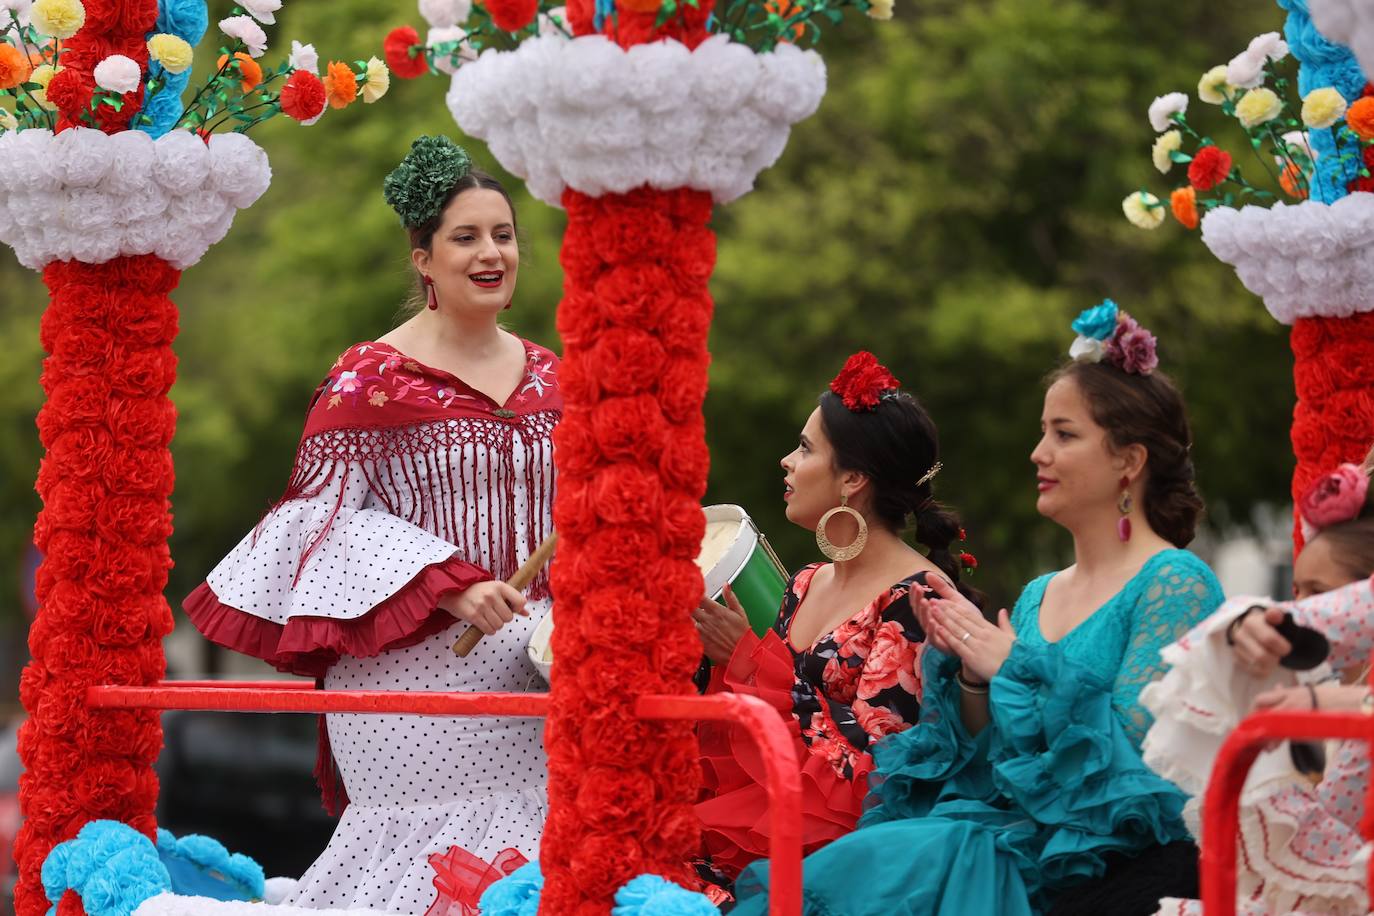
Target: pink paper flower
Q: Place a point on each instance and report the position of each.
(1336, 497)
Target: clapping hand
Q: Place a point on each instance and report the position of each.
(954, 626)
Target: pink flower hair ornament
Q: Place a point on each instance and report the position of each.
(863, 382)
(1333, 498)
(1108, 334)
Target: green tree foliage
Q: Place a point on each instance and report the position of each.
(951, 207)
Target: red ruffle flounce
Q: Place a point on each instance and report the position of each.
(307, 646)
(734, 816)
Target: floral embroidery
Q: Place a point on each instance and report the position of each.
(379, 375)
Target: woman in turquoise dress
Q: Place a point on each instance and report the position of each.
(1024, 777)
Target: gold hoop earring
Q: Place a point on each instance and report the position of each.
(852, 550)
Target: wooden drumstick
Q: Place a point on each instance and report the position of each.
(522, 578)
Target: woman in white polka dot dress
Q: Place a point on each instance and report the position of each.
(423, 480)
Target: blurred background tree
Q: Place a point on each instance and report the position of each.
(951, 207)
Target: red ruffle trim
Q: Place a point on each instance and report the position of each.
(735, 815)
(308, 646)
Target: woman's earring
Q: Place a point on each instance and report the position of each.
(853, 549)
(432, 298)
(1124, 505)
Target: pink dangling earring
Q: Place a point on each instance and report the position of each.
(1124, 506)
(432, 298)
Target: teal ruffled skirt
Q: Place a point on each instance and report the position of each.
(998, 824)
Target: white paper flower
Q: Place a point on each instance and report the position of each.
(443, 14)
(304, 57)
(7, 120)
(1246, 70)
(1087, 349)
(1163, 109)
(118, 73)
(19, 8)
(1270, 45)
(1347, 22)
(465, 52)
(247, 31)
(261, 10)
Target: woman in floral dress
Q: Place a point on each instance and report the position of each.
(842, 661)
(423, 480)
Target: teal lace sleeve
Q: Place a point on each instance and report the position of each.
(1163, 606)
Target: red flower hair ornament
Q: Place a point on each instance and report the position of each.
(863, 382)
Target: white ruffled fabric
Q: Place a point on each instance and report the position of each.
(587, 114)
(1305, 260)
(89, 196)
(1347, 22)
(177, 905)
(1196, 704)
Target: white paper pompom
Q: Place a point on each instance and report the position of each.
(442, 14)
(588, 114)
(79, 157)
(1304, 260)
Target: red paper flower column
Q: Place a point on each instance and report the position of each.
(1333, 372)
(632, 465)
(105, 484)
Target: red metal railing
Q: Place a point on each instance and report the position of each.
(759, 720)
(1221, 807)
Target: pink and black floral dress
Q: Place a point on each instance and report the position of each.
(857, 683)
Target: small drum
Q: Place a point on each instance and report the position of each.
(733, 552)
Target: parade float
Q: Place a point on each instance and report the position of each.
(638, 118)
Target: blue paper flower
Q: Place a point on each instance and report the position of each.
(111, 866)
(517, 894)
(650, 895)
(186, 19)
(1098, 322)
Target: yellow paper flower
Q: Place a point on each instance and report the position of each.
(174, 53)
(1258, 107)
(880, 9)
(57, 18)
(1322, 108)
(1143, 209)
(378, 80)
(1165, 144)
(7, 120)
(42, 75)
(1213, 88)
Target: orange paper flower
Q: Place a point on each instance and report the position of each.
(1360, 117)
(14, 67)
(785, 9)
(1293, 182)
(340, 85)
(1184, 204)
(249, 70)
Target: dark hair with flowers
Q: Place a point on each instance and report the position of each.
(891, 440)
(1339, 508)
(1146, 410)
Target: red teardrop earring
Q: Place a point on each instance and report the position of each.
(1124, 505)
(508, 305)
(431, 297)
